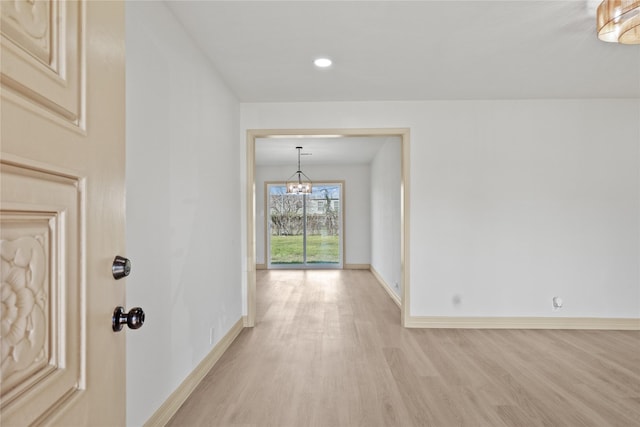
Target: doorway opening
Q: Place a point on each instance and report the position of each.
(304, 230)
(255, 208)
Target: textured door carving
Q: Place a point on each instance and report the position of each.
(24, 303)
(42, 55)
(27, 24)
(40, 243)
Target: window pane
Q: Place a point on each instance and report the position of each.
(323, 225)
(286, 226)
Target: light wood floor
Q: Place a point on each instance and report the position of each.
(328, 350)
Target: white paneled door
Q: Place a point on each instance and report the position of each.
(62, 212)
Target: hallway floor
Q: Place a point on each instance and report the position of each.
(328, 350)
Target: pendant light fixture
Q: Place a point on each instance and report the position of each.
(299, 183)
(619, 21)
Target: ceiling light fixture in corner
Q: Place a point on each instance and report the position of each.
(619, 21)
(323, 63)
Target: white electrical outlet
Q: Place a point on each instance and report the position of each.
(557, 303)
(212, 335)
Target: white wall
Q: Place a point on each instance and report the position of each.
(512, 202)
(386, 213)
(356, 205)
(182, 206)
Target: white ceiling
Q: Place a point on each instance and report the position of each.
(410, 50)
(318, 151)
(404, 50)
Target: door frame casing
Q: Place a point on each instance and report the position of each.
(404, 136)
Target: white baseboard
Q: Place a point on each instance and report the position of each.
(168, 409)
(523, 323)
(357, 267)
(395, 297)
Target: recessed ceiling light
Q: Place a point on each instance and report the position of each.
(322, 62)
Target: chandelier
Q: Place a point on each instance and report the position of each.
(299, 183)
(619, 21)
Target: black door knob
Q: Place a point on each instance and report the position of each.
(134, 319)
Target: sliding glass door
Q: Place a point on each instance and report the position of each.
(304, 231)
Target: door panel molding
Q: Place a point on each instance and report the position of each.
(43, 56)
(41, 242)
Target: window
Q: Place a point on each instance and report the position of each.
(304, 230)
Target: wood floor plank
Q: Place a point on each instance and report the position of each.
(328, 350)
(541, 397)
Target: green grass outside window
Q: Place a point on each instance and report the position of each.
(320, 249)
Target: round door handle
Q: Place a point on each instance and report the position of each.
(134, 319)
(121, 267)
